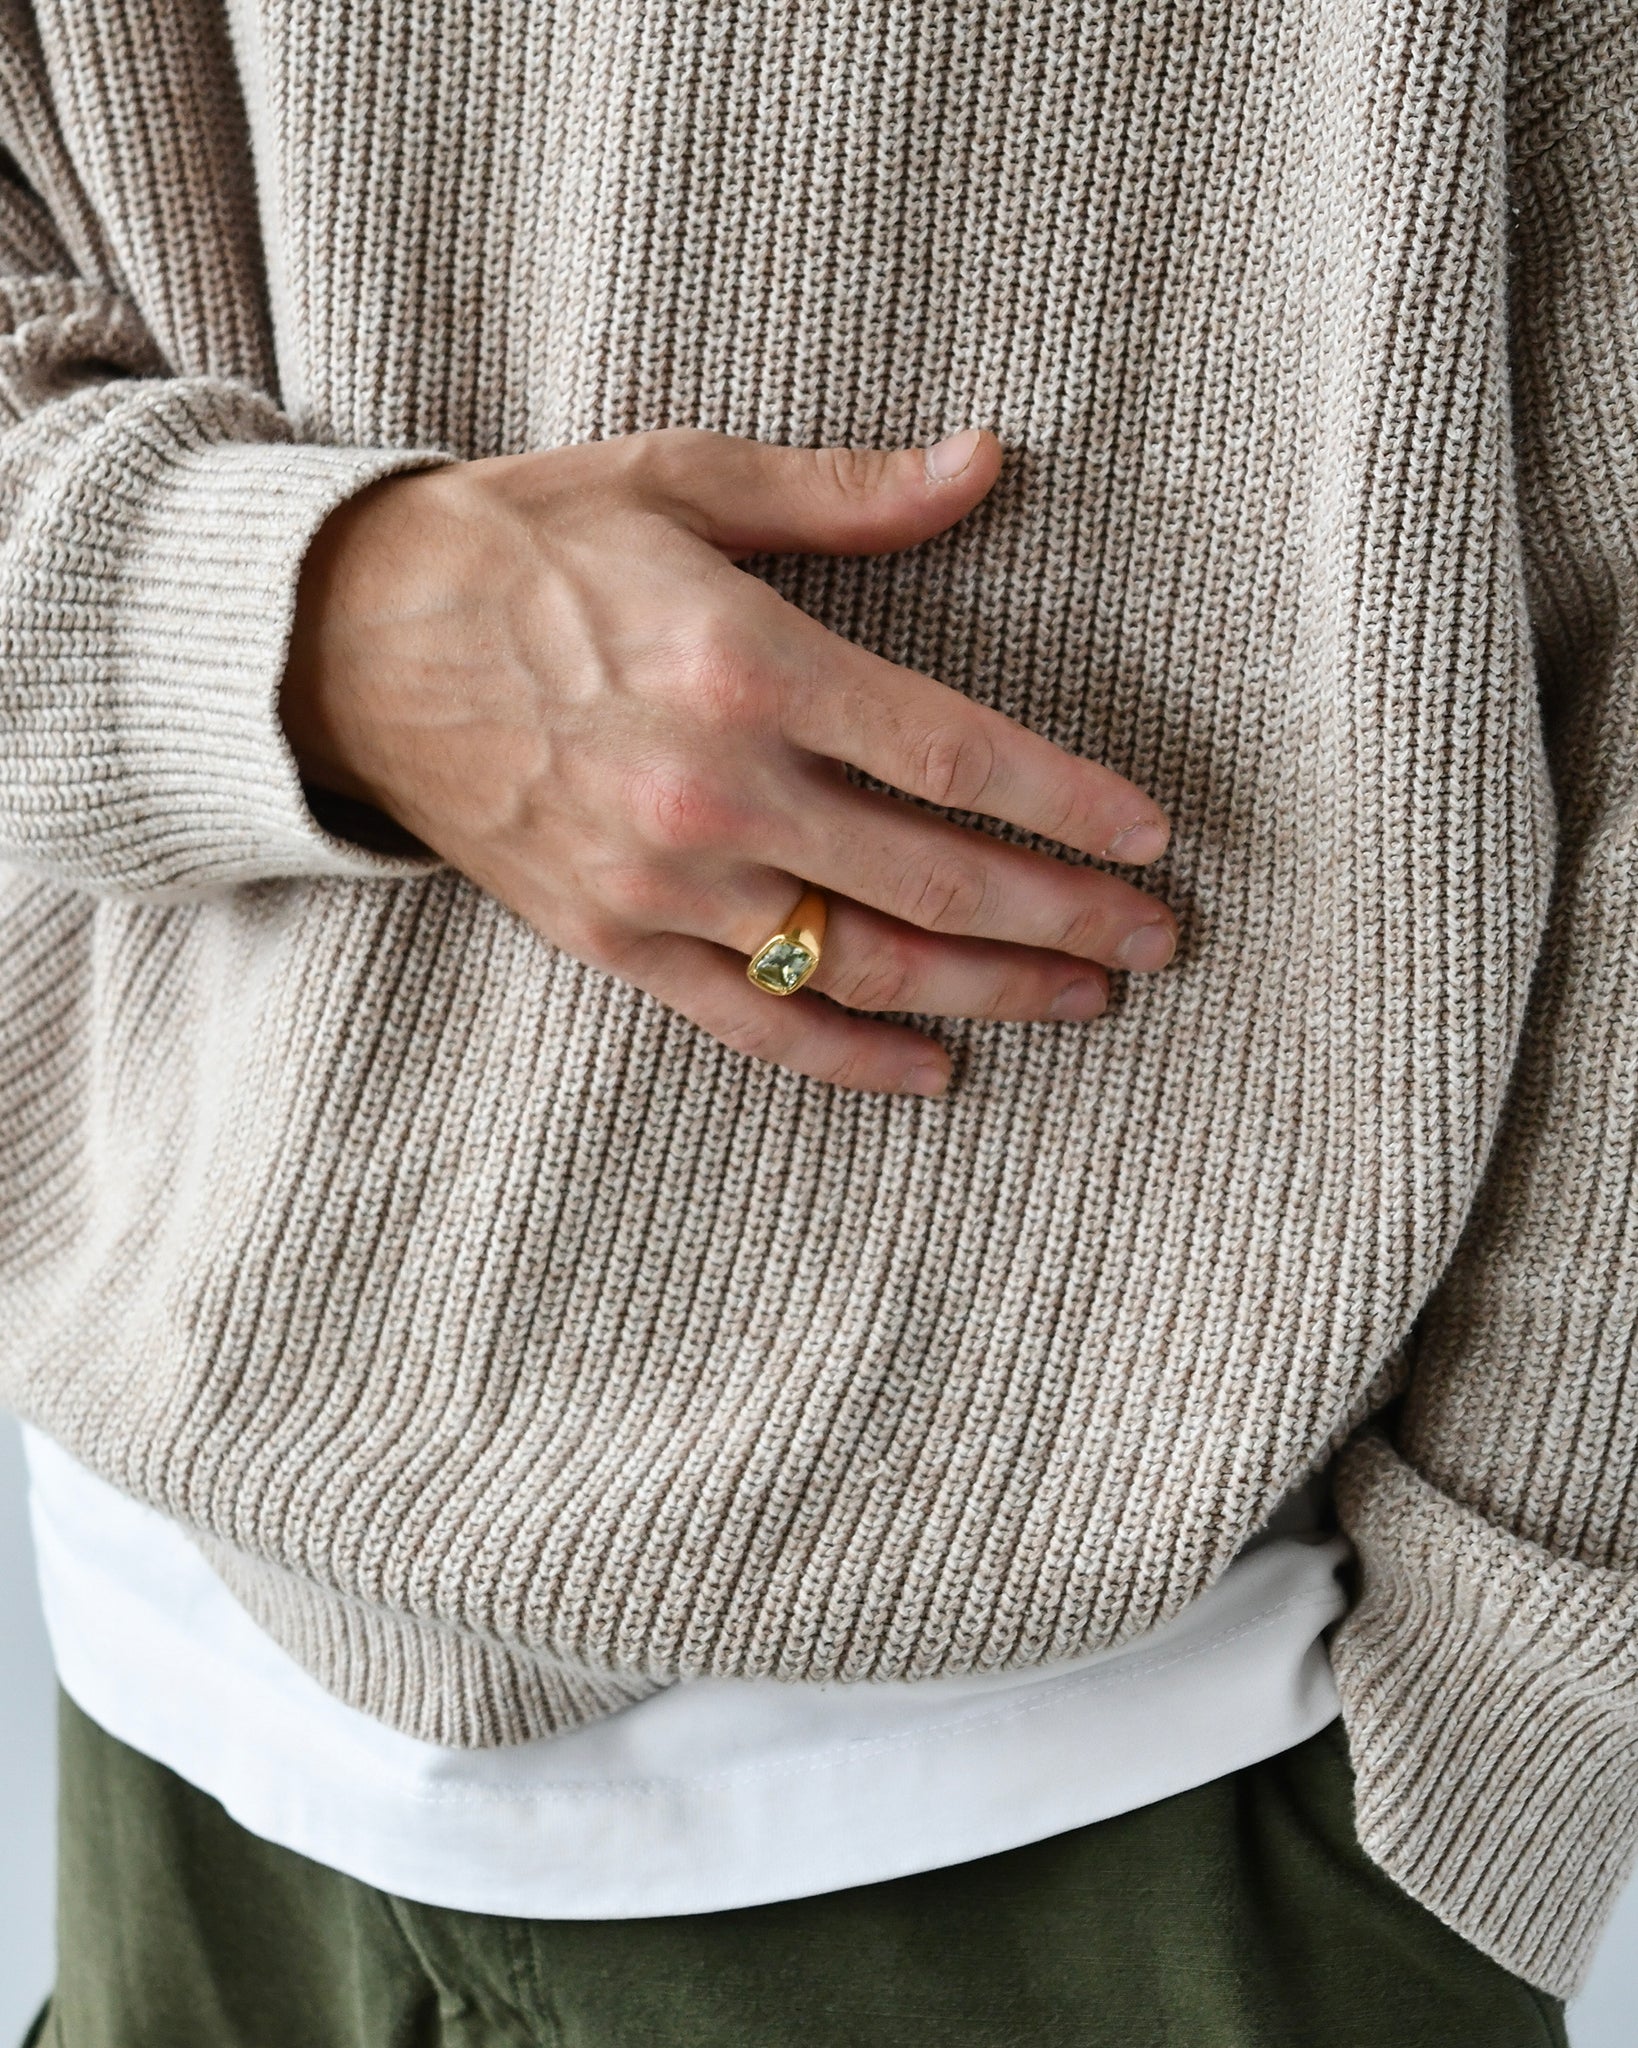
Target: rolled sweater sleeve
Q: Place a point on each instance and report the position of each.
(152, 530)
(1495, 1643)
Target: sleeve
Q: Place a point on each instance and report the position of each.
(1489, 1672)
(152, 529)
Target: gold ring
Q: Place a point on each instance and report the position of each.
(781, 964)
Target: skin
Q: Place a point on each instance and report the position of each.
(548, 668)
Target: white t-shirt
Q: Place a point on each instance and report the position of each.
(713, 1793)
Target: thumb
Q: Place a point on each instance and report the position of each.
(748, 497)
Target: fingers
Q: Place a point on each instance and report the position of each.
(932, 742)
(747, 497)
(872, 962)
(877, 963)
(802, 1032)
(939, 877)
(868, 963)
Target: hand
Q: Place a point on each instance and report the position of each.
(549, 670)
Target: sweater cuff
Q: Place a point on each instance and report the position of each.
(157, 761)
(210, 581)
(1490, 1692)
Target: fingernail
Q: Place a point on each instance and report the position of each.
(1139, 843)
(927, 1080)
(948, 458)
(1078, 1003)
(1149, 947)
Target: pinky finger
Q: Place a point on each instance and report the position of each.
(804, 1033)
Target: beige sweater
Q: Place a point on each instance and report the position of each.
(511, 1346)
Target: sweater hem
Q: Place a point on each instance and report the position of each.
(426, 1679)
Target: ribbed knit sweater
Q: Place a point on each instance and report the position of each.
(511, 1346)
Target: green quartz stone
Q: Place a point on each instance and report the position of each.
(781, 966)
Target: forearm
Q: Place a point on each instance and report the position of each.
(1498, 1532)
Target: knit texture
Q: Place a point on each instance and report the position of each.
(514, 1348)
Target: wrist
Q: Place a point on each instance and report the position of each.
(316, 686)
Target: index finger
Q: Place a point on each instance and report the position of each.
(930, 741)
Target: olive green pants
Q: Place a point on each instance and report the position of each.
(1241, 1915)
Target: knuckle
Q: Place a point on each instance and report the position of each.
(1082, 929)
(856, 474)
(1004, 997)
(664, 458)
(951, 896)
(884, 979)
(757, 1035)
(855, 1066)
(677, 810)
(956, 766)
(600, 940)
(1064, 816)
(642, 894)
(723, 684)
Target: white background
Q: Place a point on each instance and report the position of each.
(1606, 2017)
